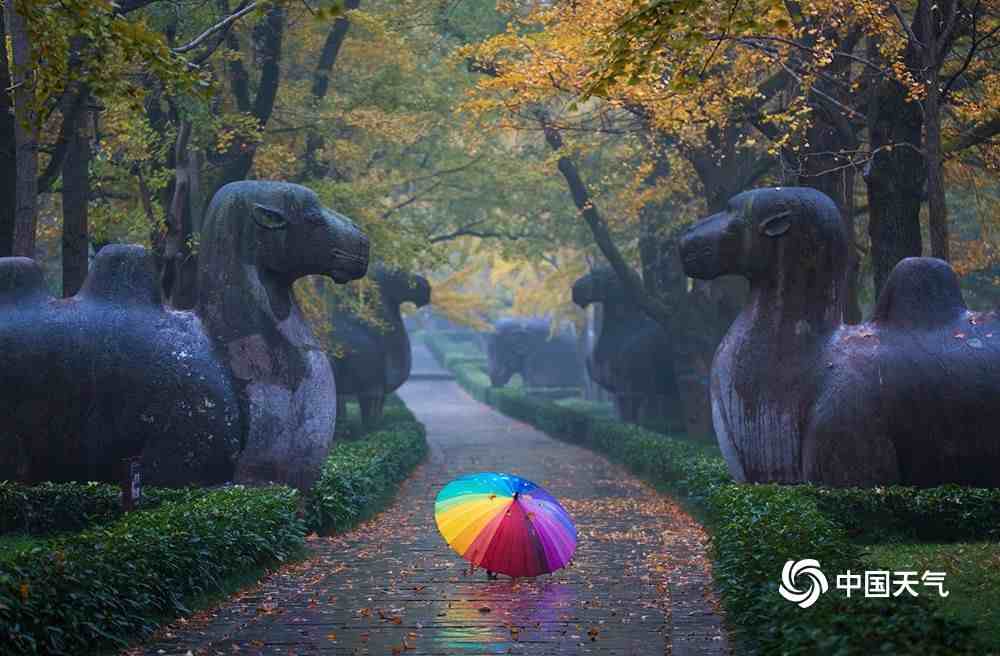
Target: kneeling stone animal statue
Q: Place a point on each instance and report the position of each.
(910, 397)
(239, 388)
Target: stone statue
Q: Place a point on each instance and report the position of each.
(911, 397)
(238, 388)
(109, 374)
(524, 346)
(630, 358)
(375, 359)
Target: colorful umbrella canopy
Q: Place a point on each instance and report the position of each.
(506, 524)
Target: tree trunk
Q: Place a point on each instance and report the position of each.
(825, 169)
(75, 196)
(894, 177)
(8, 162)
(183, 220)
(663, 277)
(178, 279)
(937, 206)
(25, 132)
(267, 36)
(321, 83)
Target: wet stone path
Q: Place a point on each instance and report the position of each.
(639, 583)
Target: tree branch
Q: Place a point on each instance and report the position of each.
(224, 24)
(69, 122)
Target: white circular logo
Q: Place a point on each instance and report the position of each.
(806, 597)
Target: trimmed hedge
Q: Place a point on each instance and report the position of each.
(756, 528)
(107, 584)
(359, 477)
(119, 578)
(50, 508)
(947, 513)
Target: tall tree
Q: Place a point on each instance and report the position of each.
(321, 84)
(8, 149)
(25, 129)
(75, 202)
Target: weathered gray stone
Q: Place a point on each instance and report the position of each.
(910, 397)
(524, 346)
(631, 358)
(375, 359)
(258, 239)
(110, 373)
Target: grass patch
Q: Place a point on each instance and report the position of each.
(973, 579)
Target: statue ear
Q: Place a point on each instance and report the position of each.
(777, 225)
(269, 218)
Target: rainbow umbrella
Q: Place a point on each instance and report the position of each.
(505, 524)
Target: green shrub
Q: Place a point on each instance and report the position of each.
(945, 513)
(450, 352)
(360, 476)
(756, 528)
(349, 426)
(50, 508)
(107, 584)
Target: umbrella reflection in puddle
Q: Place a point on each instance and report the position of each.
(492, 618)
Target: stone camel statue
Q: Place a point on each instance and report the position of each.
(629, 358)
(910, 397)
(375, 359)
(238, 388)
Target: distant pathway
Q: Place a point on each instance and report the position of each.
(639, 583)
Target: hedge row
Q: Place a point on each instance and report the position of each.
(756, 528)
(107, 584)
(51, 508)
(121, 576)
(359, 477)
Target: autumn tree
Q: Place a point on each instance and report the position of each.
(862, 69)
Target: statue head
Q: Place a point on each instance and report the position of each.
(510, 345)
(284, 231)
(399, 287)
(765, 231)
(601, 285)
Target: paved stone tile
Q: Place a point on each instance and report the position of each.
(639, 583)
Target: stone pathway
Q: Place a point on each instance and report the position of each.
(639, 583)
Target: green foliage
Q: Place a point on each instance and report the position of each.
(120, 576)
(90, 41)
(349, 426)
(107, 584)
(756, 528)
(63, 507)
(973, 579)
(944, 513)
(359, 477)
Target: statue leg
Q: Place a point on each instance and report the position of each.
(341, 407)
(626, 406)
(371, 410)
